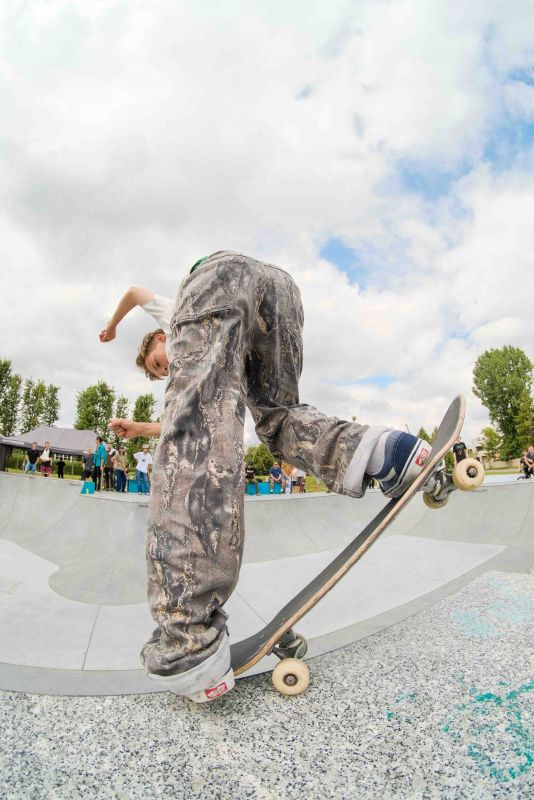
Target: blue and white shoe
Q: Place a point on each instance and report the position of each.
(397, 459)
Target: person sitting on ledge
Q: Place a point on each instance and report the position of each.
(250, 477)
(276, 476)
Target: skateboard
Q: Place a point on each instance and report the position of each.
(291, 675)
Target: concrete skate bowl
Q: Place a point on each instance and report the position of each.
(73, 614)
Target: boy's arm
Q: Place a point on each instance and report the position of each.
(135, 296)
(128, 429)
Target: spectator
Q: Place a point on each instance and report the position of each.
(287, 469)
(87, 463)
(250, 477)
(460, 450)
(276, 476)
(109, 468)
(299, 478)
(32, 455)
(99, 462)
(144, 460)
(60, 467)
(120, 470)
(46, 460)
(527, 463)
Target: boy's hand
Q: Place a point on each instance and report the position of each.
(125, 428)
(108, 334)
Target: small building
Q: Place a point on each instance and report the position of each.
(63, 441)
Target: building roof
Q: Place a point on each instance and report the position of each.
(62, 440)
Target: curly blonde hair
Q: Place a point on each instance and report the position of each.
(147, 345)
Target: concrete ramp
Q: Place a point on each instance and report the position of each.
(73, 615)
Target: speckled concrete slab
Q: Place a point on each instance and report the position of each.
(438, 706)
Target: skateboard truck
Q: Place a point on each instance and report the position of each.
(467, 475)
(291, 645)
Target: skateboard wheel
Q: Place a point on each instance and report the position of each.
(291, 676)
(468, 474)
(430, 501)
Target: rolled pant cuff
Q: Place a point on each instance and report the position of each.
(198, 678)
(353, 481)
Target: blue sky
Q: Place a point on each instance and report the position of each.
(354, 264)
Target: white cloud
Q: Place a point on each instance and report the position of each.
(141, 136)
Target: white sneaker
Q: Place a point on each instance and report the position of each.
(204, 682)
(397, 459)
(226, 683)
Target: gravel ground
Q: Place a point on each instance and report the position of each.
(439, 706)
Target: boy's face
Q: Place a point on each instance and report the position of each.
(156, 361)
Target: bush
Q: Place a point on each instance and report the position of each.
(260, 457)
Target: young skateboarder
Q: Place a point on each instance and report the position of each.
(232, 338)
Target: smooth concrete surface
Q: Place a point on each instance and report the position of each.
(72, 609)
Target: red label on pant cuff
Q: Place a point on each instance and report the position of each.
(216, 691)
(422, 458)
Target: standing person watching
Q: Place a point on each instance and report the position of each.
(460, 450)
(109, 469)
(99, 462)
(87, 462)
(144, 460)
(300, 480)
(120, 470)
(60, 467)
(32, 455)
(46, 460)
(287, 483)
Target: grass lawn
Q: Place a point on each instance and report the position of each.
(67, 475)
(513, 471)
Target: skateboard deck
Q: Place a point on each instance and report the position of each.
(277, 633)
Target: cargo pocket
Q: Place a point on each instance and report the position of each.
(212, 288)
(204, 317)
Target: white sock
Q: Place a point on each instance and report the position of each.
(376, 461)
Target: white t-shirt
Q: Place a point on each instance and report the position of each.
(143, 460)
(162, 309)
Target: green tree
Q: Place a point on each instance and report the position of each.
(94, 409)
(260, 457)
(490, 442)
(524, 421)
(28, 420)
(51, 406)
(143, 412)
(500, 378)
(422, 434)
(39, 402)
(5, 375)
(10, 404)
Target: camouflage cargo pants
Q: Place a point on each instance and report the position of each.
(236, 340)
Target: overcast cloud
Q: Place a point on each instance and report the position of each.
(382, 152)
